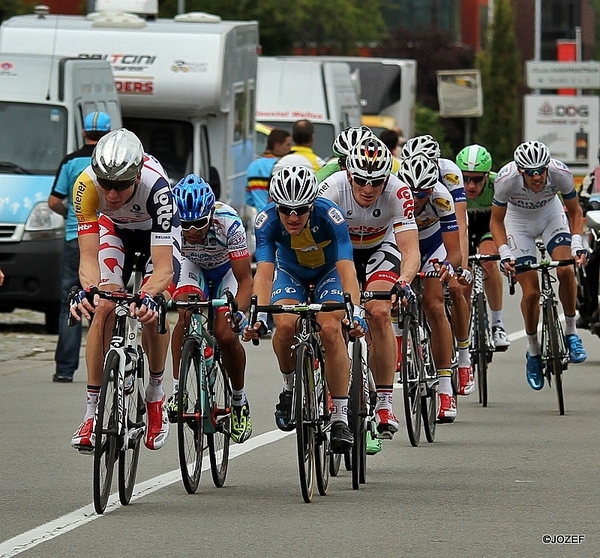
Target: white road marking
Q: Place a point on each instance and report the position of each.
(73, 520)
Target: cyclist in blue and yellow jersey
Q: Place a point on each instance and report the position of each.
(527, 205)
(214, 259)
(438, 240)
(301, 153)
(450, 177)
(124, 205)
(379, 210)
(302, 240)
(475, 162)
(342, 145)
(259, 171)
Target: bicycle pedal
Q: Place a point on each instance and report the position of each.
(85, 450)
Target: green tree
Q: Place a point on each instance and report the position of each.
(9, 8)
(500, 66)
(427, 121)
(337, 24)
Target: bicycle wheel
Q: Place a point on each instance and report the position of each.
(220, 417)
(480, 352)
(190, 414)
(412, 372)
(128, 458)
(430, 392)
(305, 415)
(106, 433)
(358, 408)
(554, 358)
(322, 450)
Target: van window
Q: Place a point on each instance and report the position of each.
(33, 138)
(239, 131)
(324, 136)
(170, 141)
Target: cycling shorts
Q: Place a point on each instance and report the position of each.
(479, 230)
(327, 288)
(432, 248)
(378, 264)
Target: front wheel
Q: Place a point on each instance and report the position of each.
(480, 352)
(128, 458)
(322, 449)
(305, 415)
(220, 422)
(106, 433)
(554, 360)
(190, 414)
(412, 373)
(430, 392)
(358, 411)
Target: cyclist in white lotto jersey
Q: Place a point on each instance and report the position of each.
(379, 210)
(527, 206)
(450, 176)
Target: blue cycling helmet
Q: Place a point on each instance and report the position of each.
(194, 197)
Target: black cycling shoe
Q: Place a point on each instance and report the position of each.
(341, 437)
(283, 412)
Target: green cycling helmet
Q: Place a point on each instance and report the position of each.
(474, 158)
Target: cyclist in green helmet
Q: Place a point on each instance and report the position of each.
(475, 162)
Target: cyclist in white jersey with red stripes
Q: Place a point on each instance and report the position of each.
(379, 211)
(527, 206)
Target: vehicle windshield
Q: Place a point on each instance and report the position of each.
(33, 138)
(324, 136)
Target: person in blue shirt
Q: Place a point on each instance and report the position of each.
(66, 356)
(302, 240)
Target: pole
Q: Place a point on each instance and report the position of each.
(180, 6)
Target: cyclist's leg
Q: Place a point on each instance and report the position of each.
(460, 329)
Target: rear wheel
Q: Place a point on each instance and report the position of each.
(220, 417)
(305, 414)
(412, 372)
(555, 355)
(358, 410)
(129, 456)
(190, 415)
(480, 352)
(106, 433)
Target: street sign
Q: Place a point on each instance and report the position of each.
(556, 75)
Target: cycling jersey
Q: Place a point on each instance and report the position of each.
(150, 208)
(451, 178)
(510, 190)
(224, 242)
(393, 212)
(323, 242)
(300, 156)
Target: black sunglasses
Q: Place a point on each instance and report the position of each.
(116, 185)
(373, 183)
(422, 194)
(475, 179)
(197, 224)
(302, 210)
(534, 172)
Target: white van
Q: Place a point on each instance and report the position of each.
(291, 89)
(186, 85)
(43, 102)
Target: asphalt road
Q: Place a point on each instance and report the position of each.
(494, 483)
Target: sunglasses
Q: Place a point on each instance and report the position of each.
(533, 172)
(474, 179)
(197, 224)
(302, 210)
(421, 194)
(364, 182)
(116, 185)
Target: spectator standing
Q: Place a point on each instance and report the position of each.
(66, 356)
(259, 171)
(301, 154)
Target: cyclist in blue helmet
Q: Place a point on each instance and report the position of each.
(214, 259)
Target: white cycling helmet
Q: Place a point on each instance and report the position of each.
(369, 159)
(118, 155)
(348, 138)
(294, 187)
(423, 145)
(532, 155)
(419, 172)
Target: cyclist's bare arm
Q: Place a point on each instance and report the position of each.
(500, 238)
(89, 270)
(576, 221)
(263, 285)
(460, 210)
(408, 244)
(242, 271)
(347, 273)
(162, 274)
(451, 240)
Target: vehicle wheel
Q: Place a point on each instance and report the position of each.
(412, 373)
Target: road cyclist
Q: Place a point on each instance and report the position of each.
(526, 206)
(302, 240)
(379, 212)
(124, 205)
(438, 241)
(214, 260)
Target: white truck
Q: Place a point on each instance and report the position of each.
(388, 89)
(186, 85)
(291, 89)
(43, 101)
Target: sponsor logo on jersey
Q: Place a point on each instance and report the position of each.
(335, 215)
(443, 204)
(164, 207)
(452, 179)
(261, 219)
